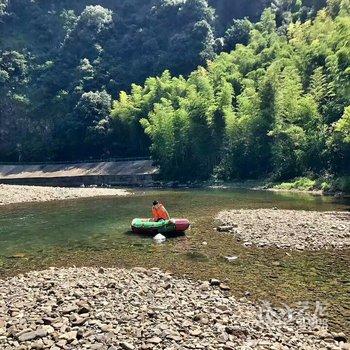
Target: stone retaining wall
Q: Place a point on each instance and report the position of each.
(128, 173)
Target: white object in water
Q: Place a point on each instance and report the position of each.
(159, 238)
(231, 258)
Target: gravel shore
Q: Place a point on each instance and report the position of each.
(291, 229)
(20, 194)
(89, 308)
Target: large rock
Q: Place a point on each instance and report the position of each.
(30, 335)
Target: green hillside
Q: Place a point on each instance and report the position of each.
(271, 96)
(279, 105)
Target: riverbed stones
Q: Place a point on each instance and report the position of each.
(289, 229)
(19, 194)
(146, 309)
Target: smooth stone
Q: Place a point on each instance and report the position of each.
(41, 332)
(27, 336)
(126, 346)
(69, 336)
(154, 340)
(195, 332)
(224, 286)
(69, 309)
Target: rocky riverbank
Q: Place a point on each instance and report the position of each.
(110, 309)
(20, 194)
(289, 229)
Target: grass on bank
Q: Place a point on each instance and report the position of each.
(340, 184)
(325, 185)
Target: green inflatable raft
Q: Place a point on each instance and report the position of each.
(163, 226)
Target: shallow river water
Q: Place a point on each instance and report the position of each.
(96, 232)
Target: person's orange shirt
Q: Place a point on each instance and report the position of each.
(159, 212)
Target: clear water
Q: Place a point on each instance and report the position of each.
(96, 231)
(76, 223)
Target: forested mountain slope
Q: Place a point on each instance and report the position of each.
(62, 63)
(54, 51)
(279, 105)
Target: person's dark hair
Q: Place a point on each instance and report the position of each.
(155, 202)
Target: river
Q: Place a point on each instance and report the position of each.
(96, 232)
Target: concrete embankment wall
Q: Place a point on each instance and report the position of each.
(123, 173)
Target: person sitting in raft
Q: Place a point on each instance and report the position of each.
(159, 212)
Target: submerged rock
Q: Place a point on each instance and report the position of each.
(225, 228)
(17, 256)
(159, 238)
(231, 258)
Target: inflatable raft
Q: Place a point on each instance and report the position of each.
(164, 226)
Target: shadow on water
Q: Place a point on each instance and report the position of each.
(96, 232)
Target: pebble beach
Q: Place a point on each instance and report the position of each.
(287, 229)
(91, 308)
(10, 194)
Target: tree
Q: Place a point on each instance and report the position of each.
(82, 39)
(238, 33)
(340, 144)
(3, 5)
(246, 154)
(14, 103)
(85, 132)
(289, 136)
(274, 105)
(265, 108)
(343, 126)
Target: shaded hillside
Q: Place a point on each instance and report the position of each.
(62, 63)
